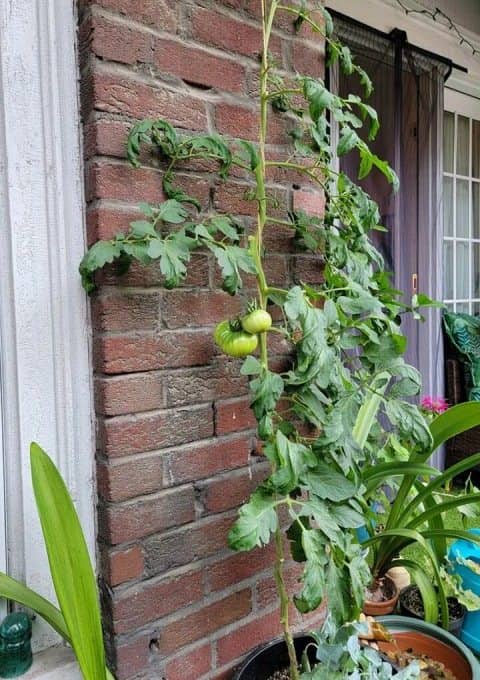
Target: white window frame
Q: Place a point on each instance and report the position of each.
(44, 324)
(462, 104)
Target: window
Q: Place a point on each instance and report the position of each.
(461, 206)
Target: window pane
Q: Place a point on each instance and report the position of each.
(476, 148)
(448, 269)
(462, 291)
(448, 132)
(463, 135)
(476, 308)
(462, 208)
(476, 271)
(476, 210)
(463, 307)
(448, 206)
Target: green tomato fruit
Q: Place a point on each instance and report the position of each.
(257, 321)
(234, 343)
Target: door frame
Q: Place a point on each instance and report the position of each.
(44, 321)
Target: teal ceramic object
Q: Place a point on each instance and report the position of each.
(467, 550)
(15, 647)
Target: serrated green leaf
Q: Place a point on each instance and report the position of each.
(257, 521)
(172, 211)
(348, 141)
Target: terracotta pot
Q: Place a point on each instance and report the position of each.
(425, 638)
(371, 608)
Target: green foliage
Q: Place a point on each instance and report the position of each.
(341, 407)
(342, 657)
(416, 515)
(78, 620)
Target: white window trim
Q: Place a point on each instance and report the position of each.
(47, 387)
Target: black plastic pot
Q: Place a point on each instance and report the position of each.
(455, 624)
(265, 660)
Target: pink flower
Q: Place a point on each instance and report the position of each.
(434, 404)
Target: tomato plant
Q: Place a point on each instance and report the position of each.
(233, 340)
(257, 321)
(347, 364)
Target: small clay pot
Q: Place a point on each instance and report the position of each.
(411, 605)
(388, 604)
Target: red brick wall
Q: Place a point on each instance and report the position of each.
(176, 448)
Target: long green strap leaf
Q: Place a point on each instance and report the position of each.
(439, 482)
(440, 508)
(368, 411)
(383, 471)
(411, 536)
(454, 421)
(70, 567)
(11, 589)
(426, 587)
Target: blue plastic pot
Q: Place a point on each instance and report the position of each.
(468, 550)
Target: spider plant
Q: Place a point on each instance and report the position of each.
(416, 515)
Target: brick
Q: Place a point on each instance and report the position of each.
(188, 544)
(278, 239)
(193, 664)
(242, 122)
(149, 601)
(106, 222)
(233, 416)
(135, 519)
(161, 14)
(123, 435)
(132, 656)
(230, 491)
(127, 354)
(233, 198)
(198, 67)
(310, 202)
(138, 477)
(197, 308)
(130, 96)
(237, 568)
(308, 59)
(120, 42)
(266, 589)
(127, 311)
(121, 395)
(125, 565)
(106, 137)
(121, 182)
(308, 269)
(204, 622)
(241, 640)
(219, 30)
(189, 386)
(205, 459)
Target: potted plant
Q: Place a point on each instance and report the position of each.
(317, 420)
(416, 514)
(77, 619)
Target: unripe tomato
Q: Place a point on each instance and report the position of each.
(257, 321)
(235, 343)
